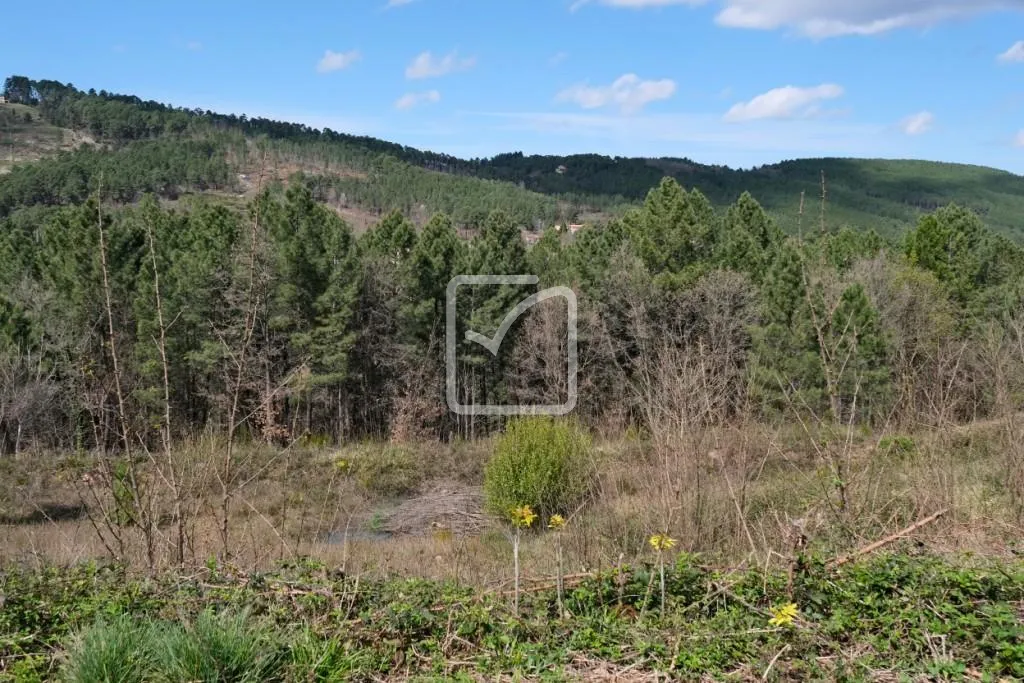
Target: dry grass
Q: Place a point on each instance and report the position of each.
(22, 141)
(752, 497)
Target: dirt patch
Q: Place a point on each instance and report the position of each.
(360, 220)
(24, 140)
(444, 505)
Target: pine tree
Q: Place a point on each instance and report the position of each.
(947, 243)
(858, 353)
(748, 238)
(433, 262)
(546, 258)
(393, 238)
(673, 230)
(785, 368)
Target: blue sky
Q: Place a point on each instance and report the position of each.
(736, 82)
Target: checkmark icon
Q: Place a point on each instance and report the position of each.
(493, 343)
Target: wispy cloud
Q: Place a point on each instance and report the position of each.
(827, 18)
(335, 61)
(558, 58)
(194, 46)
(657, 134)
(412, 99)
(784, 103)
(426, 65)
(397, 3)
(918, 123)
(1014, 54)
(628, 92)
(635, 4)
(1019, 140)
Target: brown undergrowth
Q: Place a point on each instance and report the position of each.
(742, 495)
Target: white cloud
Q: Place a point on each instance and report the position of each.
(397, 3)
(335, 61)
(558, 58)
(628, 92)
(1014, 54)
(918, 123)
(784, 103)
(194, 46)
(826, 18)
(1019, 140)
(410, 100)
(426, 65)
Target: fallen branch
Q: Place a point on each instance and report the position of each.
(870, 548)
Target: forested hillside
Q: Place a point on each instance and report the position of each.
(376, 176)
(863, 193)
(340, 331)
(341, 335)
(141, 147)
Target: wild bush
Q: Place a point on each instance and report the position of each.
(540, 462)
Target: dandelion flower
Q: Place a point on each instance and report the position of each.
(783, 616)
(662, 542)
(523, 517)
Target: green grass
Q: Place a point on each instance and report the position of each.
(890, 612)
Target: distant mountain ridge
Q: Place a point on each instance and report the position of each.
(886, 195)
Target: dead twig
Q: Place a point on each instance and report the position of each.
(870, 548)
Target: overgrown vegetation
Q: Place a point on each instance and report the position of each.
(895, 614)
(242, 382)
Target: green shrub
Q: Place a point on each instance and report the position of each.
(540, 462)
(897, 445)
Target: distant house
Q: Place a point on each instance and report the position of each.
(575, 227)
(560, 170)
(3, 100)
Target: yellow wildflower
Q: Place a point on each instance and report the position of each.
(556, 522)
(523, 516)
(662, 542)
(784, 615)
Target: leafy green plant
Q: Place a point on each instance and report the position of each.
(539, 462)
